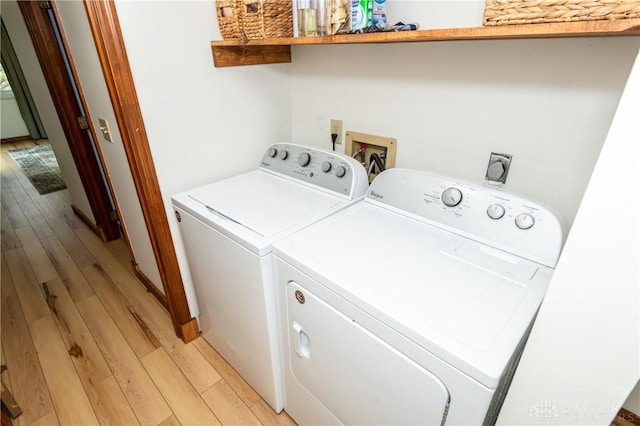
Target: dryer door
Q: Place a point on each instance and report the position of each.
(354, 374)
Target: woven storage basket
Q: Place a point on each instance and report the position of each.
(267, 18)
(504, 12)
(229, 20)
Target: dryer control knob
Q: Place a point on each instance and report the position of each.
(451, 197)
(304, 159)
(283, 155)
(340, 171)
(495, 211)
(272, 152)
(326, 166)
(524, 221)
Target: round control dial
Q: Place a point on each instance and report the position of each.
(326, 166)
(340, 171)
(524, 221)
(495, 211)
(272, 152)
(304, 159)
(451, 197)
(283, 155)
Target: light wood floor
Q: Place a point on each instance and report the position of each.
(84, 342)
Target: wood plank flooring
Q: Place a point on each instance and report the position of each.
(84, 342)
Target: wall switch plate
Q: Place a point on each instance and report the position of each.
(104, 129)
(336, 127)
(498, 167)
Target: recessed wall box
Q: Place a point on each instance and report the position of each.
(498, 167)
(361, 146)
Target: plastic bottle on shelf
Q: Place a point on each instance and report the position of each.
(361, 13)
(379, 11)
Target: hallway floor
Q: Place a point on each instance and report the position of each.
(85, 343)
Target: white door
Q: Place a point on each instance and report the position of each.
(355, 375)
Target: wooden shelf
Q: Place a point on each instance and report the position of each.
(278, 50)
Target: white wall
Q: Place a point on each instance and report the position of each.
(11, 122)
(583, 356)
(83, 51)
(546, 102)
(633, 401)
(203, 123)
(33, 73)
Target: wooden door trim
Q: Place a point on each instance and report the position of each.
(61, 90)
(105, 27)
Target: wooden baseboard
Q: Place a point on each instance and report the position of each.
(190, 329)
(16, 139)
(96, 229)
(85, 220)
(151, 288)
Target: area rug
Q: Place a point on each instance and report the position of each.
(39, 164)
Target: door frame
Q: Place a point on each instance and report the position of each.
(60, 87)
(105, 28)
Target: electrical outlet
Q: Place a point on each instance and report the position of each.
(336, 127)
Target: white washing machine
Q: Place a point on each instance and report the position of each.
(228, 228)
(413, 306)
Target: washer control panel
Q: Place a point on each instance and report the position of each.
(325, 169)
(497, 218)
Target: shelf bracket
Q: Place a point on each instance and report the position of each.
(233, 56)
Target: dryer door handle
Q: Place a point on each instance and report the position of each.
(301, 342)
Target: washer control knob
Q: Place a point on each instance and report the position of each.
(524, 221)
(304, 159)
(451, 197)
(326, 166)
(272, 152)
(283, 155)
(340, 171)
(495, 211)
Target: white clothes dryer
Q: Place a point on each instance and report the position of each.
(413, 306)
(228, 228)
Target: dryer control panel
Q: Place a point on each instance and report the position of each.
(505, 221)
(327, 170)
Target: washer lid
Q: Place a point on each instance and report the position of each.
(263, 203)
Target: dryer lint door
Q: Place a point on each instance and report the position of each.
(354, 374)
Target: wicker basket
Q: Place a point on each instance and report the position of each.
(505, 12)
(267, 18)
(229, 20)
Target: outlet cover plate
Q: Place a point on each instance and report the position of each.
(336, 127)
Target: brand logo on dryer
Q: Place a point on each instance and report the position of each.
(376, 195)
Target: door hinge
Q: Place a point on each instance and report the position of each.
(44, 4)
(113, 215)
(82, 121)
